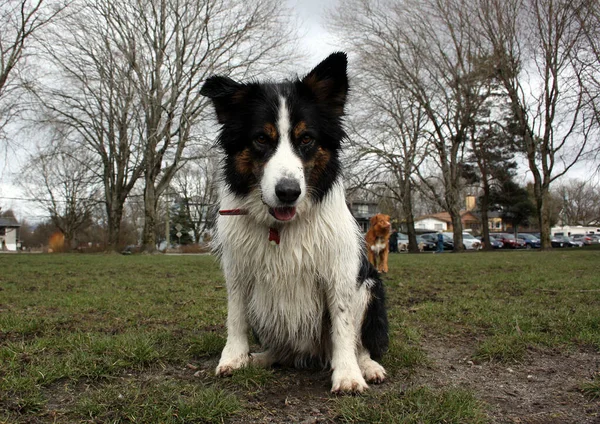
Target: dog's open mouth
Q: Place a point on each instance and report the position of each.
(284, 213)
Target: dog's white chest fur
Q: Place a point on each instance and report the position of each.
(379, 245)
(284, 294)
(285, 285)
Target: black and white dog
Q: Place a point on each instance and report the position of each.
(293, 256)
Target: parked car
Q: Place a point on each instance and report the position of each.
(470, 242)
(531, 241)
(495, 243)
(585, 238)
(448, 242)
(572, 242)
(595, 238)
(425, 245)
(564, 241)
(402, 242)
(557, 241)
(509, 241)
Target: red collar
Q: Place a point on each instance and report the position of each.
(273, 232)
(274, 236)
(228, 212)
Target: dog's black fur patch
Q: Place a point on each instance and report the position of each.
(243, 109)
(374, 331)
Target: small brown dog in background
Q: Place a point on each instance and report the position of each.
(378, 241)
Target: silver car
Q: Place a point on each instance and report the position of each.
(469, 241)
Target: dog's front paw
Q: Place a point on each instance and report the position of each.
(372, 371)
(228, 365)
(348, 382)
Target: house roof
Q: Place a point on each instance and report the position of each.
(445, 217)
(8, 222)
(494, 214)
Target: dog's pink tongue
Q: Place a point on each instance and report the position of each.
(284, 214)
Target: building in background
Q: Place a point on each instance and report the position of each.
(9, 234)
(441, 222)
(363, 210)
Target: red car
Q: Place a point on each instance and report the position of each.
(509, 240)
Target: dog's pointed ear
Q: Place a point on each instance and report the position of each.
(225, 93)
(373, 220)
(328, 82)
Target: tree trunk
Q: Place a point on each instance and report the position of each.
(68, 241)
(149, 232)
(485, 229)
(115, 216)
(544, 218)
(407, 210)
(452, 196)
(457, 230)
(542, 203)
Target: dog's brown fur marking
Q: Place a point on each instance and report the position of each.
(299, 129)
(317, 165)
(244, 163)
(271, 131)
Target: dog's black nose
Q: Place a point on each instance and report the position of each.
(287, 190)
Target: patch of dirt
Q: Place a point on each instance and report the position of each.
(292, 396)
(542, 389)
(298, 396)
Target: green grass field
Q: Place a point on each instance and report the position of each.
(111, 338)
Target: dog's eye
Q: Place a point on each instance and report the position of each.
(306, 139)
(261, 139)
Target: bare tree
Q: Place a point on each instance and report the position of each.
(136, 67)
(196, 186)
(589, 57)
(580, 202)
(20, 21)
(387, 130)
(62, 182)
(89, 94)
(425, 49)
(172, 46)
(535, 45)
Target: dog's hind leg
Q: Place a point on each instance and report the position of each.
(374, 327)
(371, 370)
(263, 359)
(384, 260)
(236, 353)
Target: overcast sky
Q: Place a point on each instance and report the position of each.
(315, 41)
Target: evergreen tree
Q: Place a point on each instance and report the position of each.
(513, 202)
(181, 223)
(492, 156)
